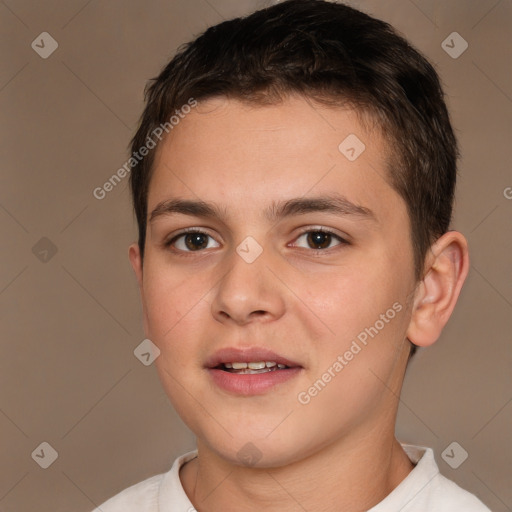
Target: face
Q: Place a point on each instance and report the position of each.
(269, 243)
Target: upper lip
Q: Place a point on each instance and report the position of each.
(247, 355)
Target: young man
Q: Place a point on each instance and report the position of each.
(293, 178)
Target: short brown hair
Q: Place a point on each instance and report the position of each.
(333, 54)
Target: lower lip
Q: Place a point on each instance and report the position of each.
(251, 384)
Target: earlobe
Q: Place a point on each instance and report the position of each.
(136, 262)
(446, 269)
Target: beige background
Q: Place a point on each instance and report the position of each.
(69, 325)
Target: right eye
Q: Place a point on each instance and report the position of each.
(193, 241)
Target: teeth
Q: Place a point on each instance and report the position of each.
(257, 366)
(254, 365)
(248, 371)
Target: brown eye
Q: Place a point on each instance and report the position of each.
(319, 239)
(193, 242)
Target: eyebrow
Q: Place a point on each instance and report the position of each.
(333, 203)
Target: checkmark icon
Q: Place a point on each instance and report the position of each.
(249, 249)
(351, 147)
(45, 455)
(44, 45)
(146, 352)
(44, 250)
(454, 455)
(454, 45)
(249, 454)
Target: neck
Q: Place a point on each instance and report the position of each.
(342, 476)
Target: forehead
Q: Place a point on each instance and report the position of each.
(229, 151)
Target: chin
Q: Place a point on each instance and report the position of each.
(250, 451)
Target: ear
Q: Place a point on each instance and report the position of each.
(446, 268)
(136, 261)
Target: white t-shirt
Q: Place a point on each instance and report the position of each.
(424, 489)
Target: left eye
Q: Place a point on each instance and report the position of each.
(193, 241)
(318, 240)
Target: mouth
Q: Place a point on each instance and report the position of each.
(250, 371)
(249, 361)
(251, 368)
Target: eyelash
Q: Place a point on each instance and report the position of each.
(341, 240)
(185, 232)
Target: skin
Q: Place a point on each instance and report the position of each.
(308, 304)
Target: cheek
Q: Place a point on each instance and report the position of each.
(175, 307)
(172, 303)
(347, 300)
(363, 303)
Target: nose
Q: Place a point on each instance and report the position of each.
(248, 292)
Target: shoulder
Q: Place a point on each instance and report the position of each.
(141, 497)
(447, 496)
(433, 491)
(425, 489)
(156, 494)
